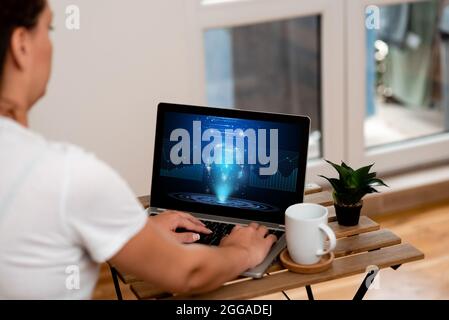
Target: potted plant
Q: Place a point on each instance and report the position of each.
(349, 189)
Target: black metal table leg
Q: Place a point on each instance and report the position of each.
(366, 283)
(309, 293)
(118, 292)
(285, 295)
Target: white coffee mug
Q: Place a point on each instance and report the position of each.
(306, 231)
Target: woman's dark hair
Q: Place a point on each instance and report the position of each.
(14, 14)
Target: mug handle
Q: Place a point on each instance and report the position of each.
(332, 239)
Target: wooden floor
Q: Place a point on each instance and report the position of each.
(426, 228)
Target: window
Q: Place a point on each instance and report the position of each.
(374, 95)
(407, 74)
(396, 84)
(272, 66)
(277, 56)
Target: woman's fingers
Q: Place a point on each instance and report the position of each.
(187, 237)
(187, 224)
(271, 238)
(262, 230)
(237, 227)
(190, 218)
(254, 225)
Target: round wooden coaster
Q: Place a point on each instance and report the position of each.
(322, 265)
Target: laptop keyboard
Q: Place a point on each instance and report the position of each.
(220, 229)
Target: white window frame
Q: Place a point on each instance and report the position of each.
(205, 15)
(388, 158)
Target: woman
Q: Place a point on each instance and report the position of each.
(61, 207)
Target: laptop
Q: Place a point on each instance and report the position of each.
(228, 167)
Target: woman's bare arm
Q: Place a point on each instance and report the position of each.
(156, 257)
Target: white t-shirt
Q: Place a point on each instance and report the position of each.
(62, 212)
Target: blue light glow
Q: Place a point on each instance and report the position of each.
(222, 192)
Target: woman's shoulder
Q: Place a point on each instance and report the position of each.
(85, 167)
(19, 138)
(80, 160)
(55, 156)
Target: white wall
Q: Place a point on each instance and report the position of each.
(109, 76)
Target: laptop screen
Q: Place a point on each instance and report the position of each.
(231, 163)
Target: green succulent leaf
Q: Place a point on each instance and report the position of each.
(371, 175)
(343, 172)
(344, 165)
(336, 184)
(352, 185)
(378, 182)
(364, 171)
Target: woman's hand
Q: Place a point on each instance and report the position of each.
(172, 220)
(254, 239)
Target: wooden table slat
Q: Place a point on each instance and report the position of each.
(144, 201)
(324, 198)
(365, 225)
(366, 242)
(332, 216)
(356, 244)
(127, 278)
(346, 246)
(342, 267)
(124, 277)
(311, 188)
(146, 291)
(357, 247)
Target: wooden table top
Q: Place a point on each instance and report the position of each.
(357, 248)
